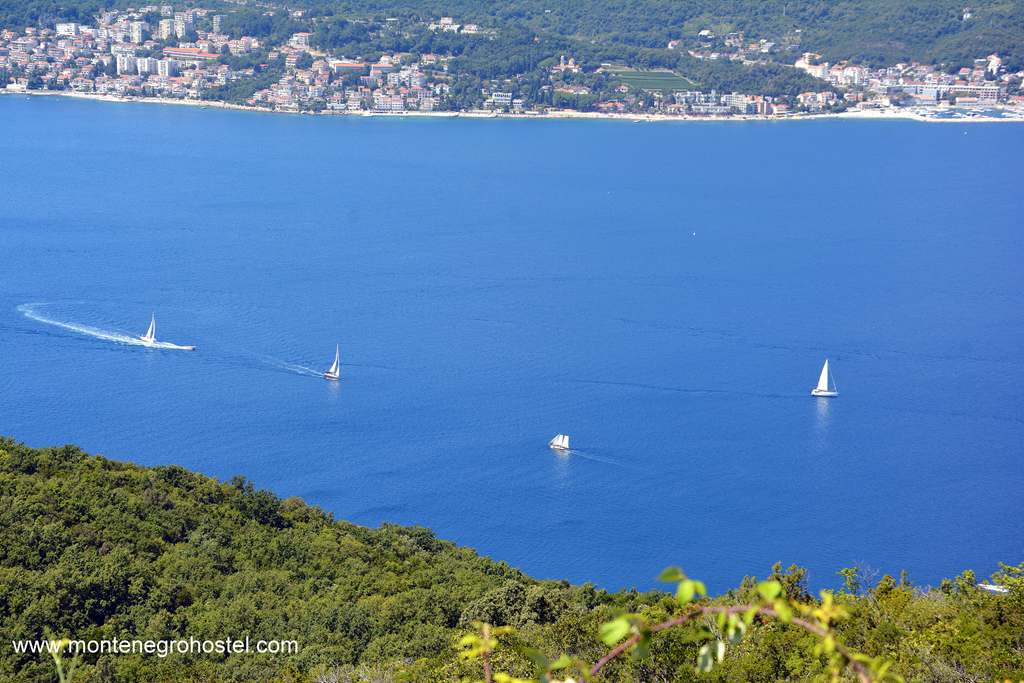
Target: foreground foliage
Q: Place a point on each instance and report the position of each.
(93, 549)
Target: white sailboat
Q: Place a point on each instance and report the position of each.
(149, 339)
(559, 443)
(334, 373)
(150, 335)
(823, 390)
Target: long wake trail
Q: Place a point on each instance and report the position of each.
(31, 312)
(295, 368)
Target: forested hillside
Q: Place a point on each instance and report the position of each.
(91, 548)
(875, 32)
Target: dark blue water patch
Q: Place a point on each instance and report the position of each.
(665, 295)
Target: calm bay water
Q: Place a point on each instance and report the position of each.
(664, 293)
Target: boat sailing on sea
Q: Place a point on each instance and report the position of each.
(150, 335)
(149, 339)
(334, 373)
(559, 443)
(823, 389)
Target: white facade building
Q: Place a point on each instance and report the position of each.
(146, 65)
(125, 64)
(167, 68)
(166, 30)
(138, 31)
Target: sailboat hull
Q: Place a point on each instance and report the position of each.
(824, 394)
(559, 443)
(332, 378)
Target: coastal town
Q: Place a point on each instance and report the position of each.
(192, 56)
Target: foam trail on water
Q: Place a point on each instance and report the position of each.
(594, 458)
(30, 312)
(300, 369)
(285, 366)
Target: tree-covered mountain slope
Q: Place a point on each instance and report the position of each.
(96, 549)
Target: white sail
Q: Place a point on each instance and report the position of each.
(334, 371)
(560, 441)
(336, 365)
(565, 441)
(823, 379)
(151, 332)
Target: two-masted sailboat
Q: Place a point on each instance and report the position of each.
(334, 372)
(559, 443)
(824, 389)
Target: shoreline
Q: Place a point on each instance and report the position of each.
(864, 114)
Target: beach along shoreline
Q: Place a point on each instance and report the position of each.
(974, 116)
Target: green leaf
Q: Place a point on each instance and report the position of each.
(737, 628)
(685, 592)
(615, 630)
(501, 677)
(719, 650)
(698, 636)
(784, 611)
(705, 661)
(700, 588)
(671, 575)
(769, 590)
(560, 663)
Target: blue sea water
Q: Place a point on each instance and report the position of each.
(664, 293)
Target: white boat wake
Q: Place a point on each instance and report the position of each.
(333, 373)
(300, 369)
(31, 312)
(594, 458)
(285, 366)
(36, 312)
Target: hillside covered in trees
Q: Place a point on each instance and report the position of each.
(873, 32)
(877, 32)
(91, 548)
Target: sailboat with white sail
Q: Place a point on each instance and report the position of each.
(334, 372)
(824, 388)
(559, 443)
(150, 335)
(149, 339)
